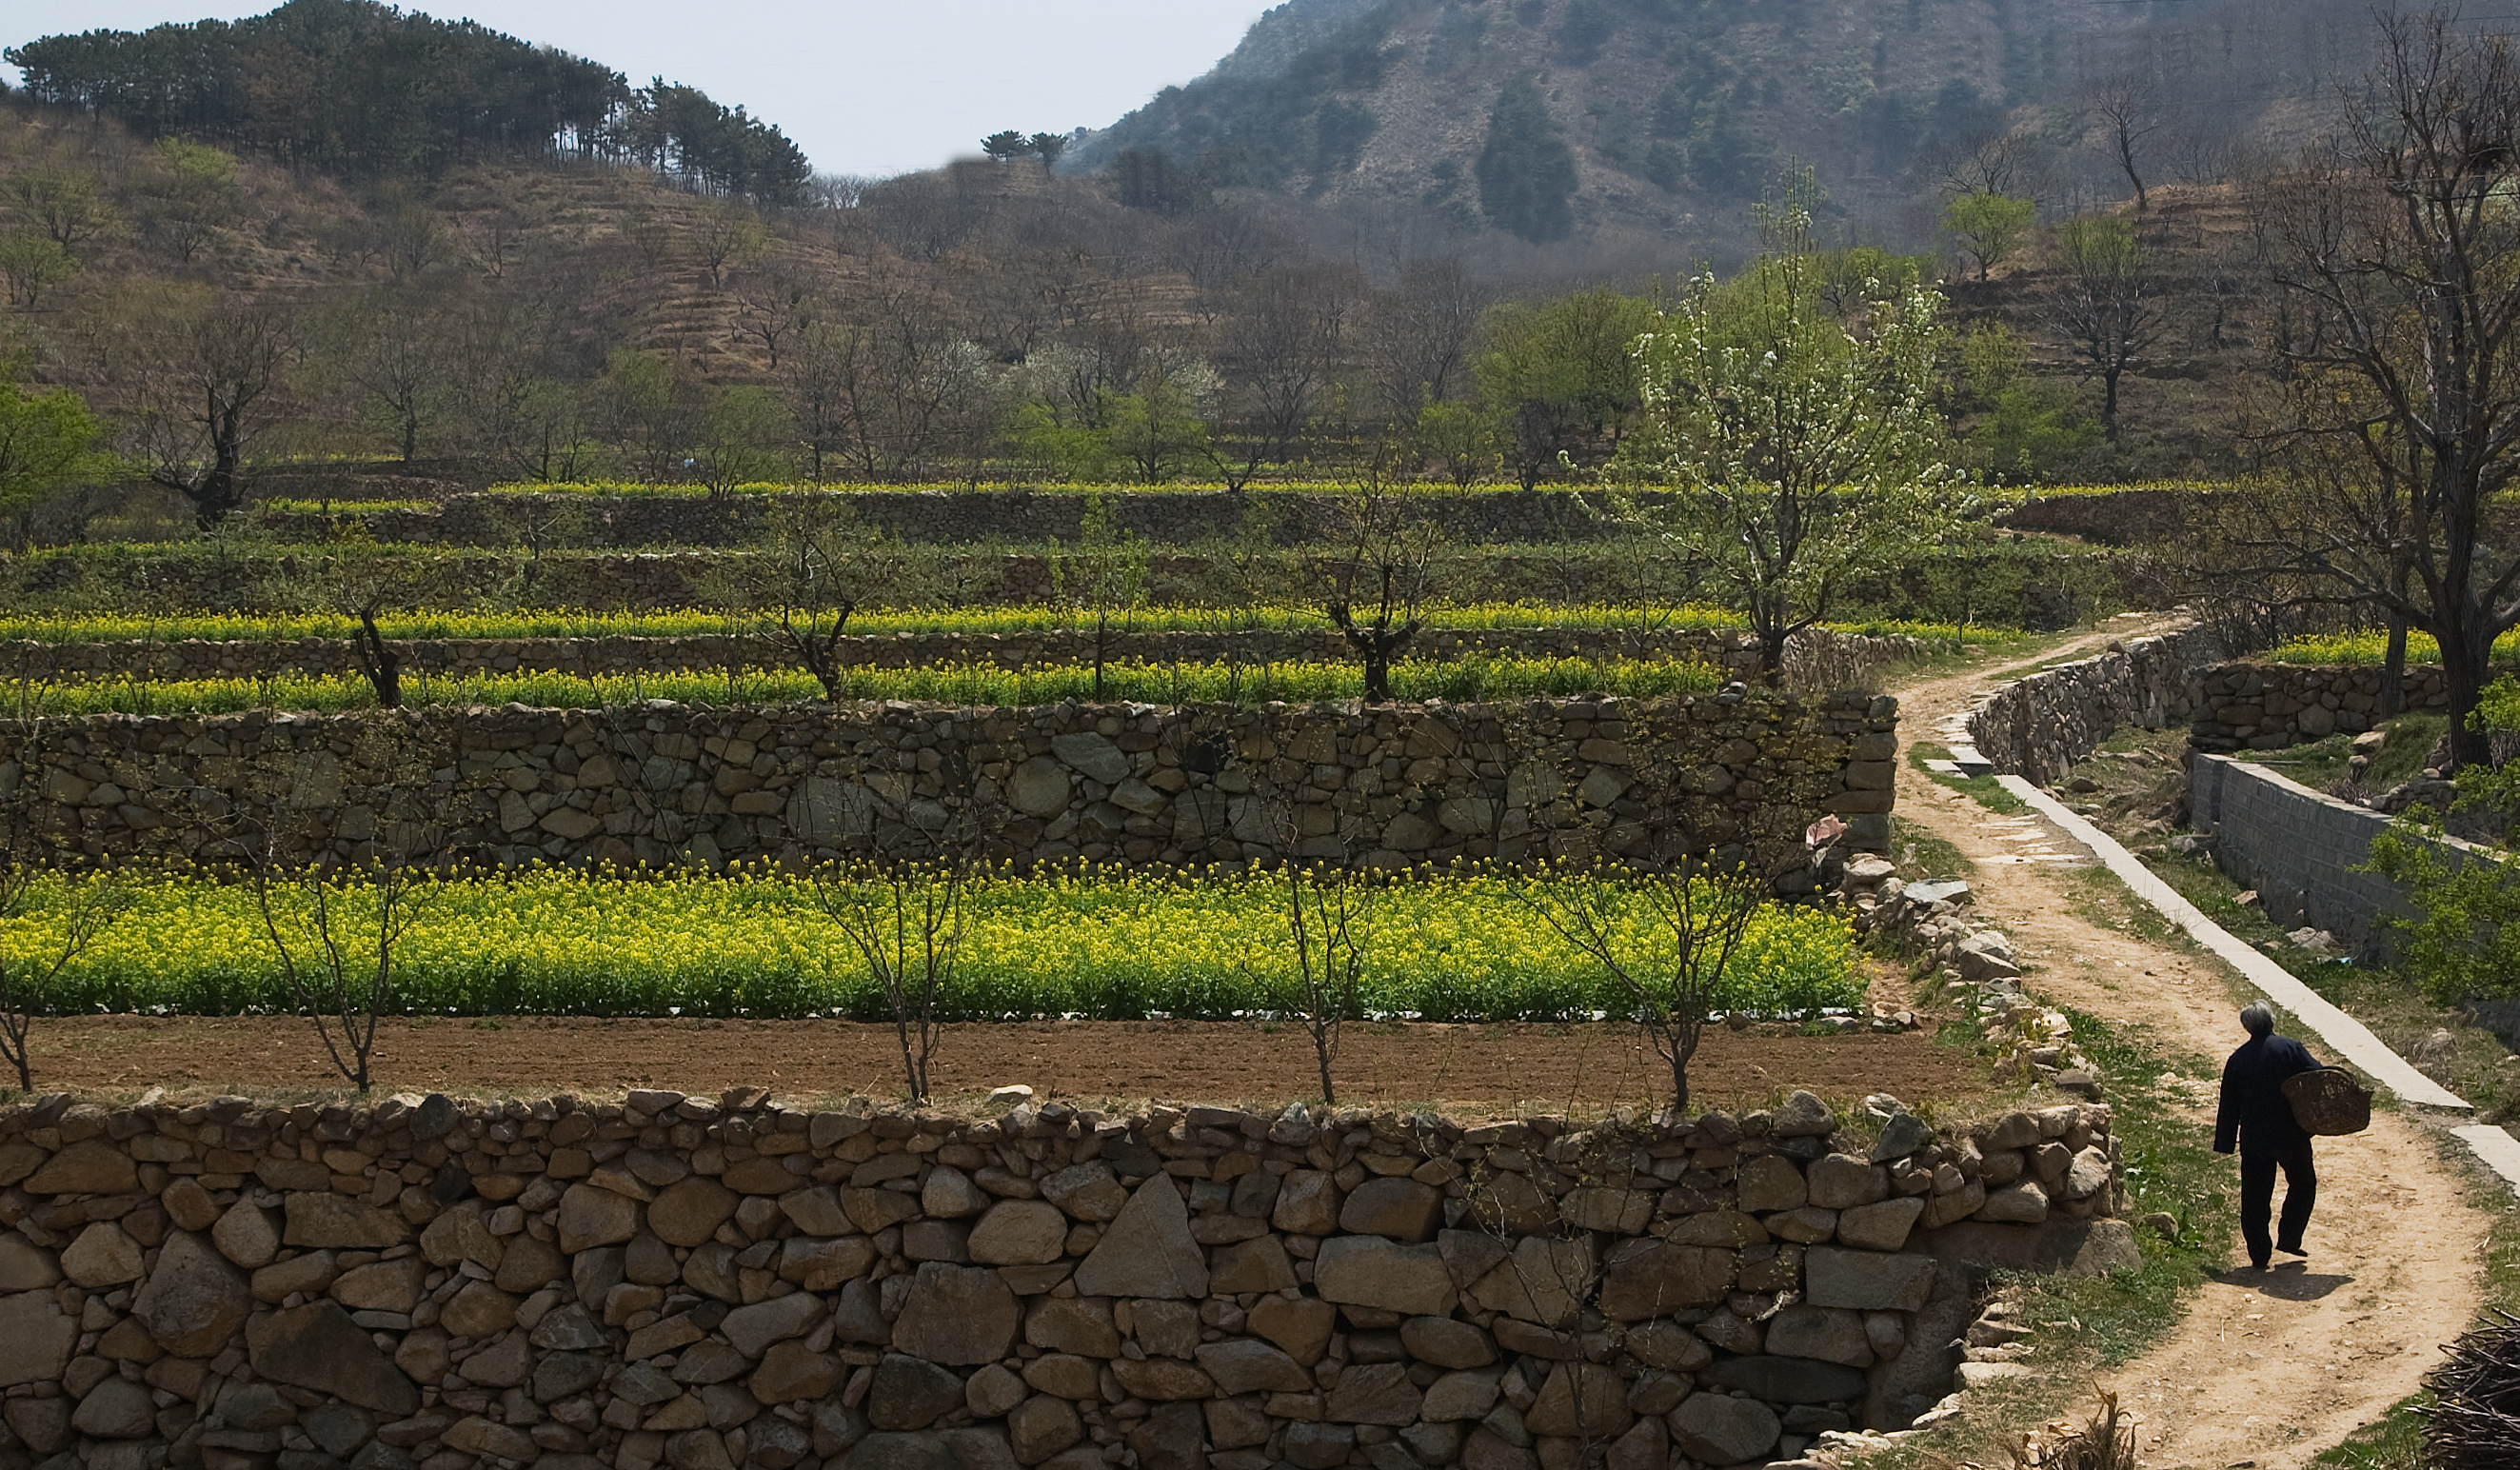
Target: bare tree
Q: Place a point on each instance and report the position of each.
(1327, 912)
(894, 392)
(2199, 145)
(1666, 938)
(839, 191)
(2004, 160)
(1416, 338)
(1216, 248)
(493, 232)
(64, 927)
(820, 566)
(1104, 571)
(413, 238)
(209, 385)
(513, 382)
(727, 232)
(396, 347)
(819, 379)
(366, 588)
(2402, 258)
(928, 216)
(1379, 589)
(773, 302)
(534, 525)
(1280, 343)
(2104, 302)
(2126, 113)
(335, 928)
(66, 202)
(905, 921)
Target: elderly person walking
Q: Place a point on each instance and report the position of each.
(2258, 1117)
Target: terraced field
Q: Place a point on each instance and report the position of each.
(703, 940)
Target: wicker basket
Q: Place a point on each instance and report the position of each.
(2329, 1102)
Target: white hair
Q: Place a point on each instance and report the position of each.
(2258, 1018)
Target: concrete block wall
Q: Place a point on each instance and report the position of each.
(2300, 849)
(702, 1285)
(1571, 781)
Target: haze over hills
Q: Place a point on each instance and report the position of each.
(1622, 123)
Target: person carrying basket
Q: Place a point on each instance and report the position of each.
(2257, 1116)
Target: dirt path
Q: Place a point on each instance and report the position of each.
(1476, 1070)
(2270, 1369)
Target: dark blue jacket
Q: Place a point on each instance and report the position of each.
(2254, 1111)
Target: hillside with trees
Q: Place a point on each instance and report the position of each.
(236, 281)
(359, 88)
(1641, 130)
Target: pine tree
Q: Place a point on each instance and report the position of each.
(1527, 172)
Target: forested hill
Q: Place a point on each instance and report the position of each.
(1550, 118)
(359, 88)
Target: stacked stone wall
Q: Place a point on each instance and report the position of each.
(975, 517)
(1818, 659)
(2118, 517)
(2038, 727)
(1568, 781)
(2250, 706)
(702, 1285)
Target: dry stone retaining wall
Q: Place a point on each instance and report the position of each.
(671, 1281)
(1818, 659)
(2269, 706)
(667, 783)
(2041, 725)
(970, 517)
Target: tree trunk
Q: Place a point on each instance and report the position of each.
(217, 493)
(1771, 657)
(2393, 671)
(910, 1068)
(380, 662)
(1378, 678)
(2109, 403)
(2467, 651)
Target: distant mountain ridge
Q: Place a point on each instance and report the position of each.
(1672, 115)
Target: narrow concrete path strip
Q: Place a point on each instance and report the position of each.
(2498, 1149)
(2343, 1034)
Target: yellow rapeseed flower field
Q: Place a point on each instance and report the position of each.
(1462, 946)
(1459, 681)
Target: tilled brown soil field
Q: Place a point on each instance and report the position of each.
(1464, 1068)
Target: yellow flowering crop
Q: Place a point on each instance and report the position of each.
(671, 622)
(1462, 947)
(1457, 679)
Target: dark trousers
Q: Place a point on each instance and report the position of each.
(2258, 1194)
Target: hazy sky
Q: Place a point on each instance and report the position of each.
(864, 86)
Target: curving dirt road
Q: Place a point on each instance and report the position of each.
(2268, 1369)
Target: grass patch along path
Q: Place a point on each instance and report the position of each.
(2275, 1367)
